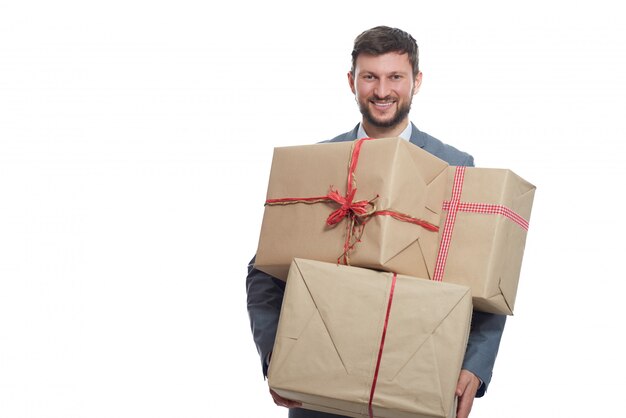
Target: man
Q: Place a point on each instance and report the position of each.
(384, 78)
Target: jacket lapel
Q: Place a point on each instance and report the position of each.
(417, 137)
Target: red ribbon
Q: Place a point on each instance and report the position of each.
(347, 206)
(382, 344)
(406, 218)
(453, 206)
(358, 213)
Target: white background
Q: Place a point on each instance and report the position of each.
(135, 145)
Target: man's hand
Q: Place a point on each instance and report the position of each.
(466, 389)
(280, 401)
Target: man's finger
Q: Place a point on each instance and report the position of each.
(464, 407)
(461, 385)
(287, 403)
(466, 388)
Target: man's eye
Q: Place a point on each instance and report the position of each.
(396, 77)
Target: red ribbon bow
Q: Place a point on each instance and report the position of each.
(348, 207)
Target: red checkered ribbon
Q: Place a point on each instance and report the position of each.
(358, 213)
(491, 210)
(453, 206)
(382, 345)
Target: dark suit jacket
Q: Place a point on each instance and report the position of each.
(428, 143)
(265, 293)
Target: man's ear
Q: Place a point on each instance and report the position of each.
(417, 83)
(351, 82)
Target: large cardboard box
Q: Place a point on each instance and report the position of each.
(350, 338)
(397, 183)
(483, 234)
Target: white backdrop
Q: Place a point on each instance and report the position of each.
(135, 145)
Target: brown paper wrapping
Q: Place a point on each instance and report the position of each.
(329, 336)
(405, 178)
(486, 250)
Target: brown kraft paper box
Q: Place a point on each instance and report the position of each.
(482, 241)
(406, 179)
(334, 321)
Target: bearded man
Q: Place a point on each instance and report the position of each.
(384, 78)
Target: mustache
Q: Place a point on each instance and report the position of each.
(386, 98)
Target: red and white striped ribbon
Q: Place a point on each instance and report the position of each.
(491, 210)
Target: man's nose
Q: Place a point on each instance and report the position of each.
(382, 88)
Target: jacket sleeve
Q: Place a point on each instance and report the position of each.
(482, 347)
(264, 299)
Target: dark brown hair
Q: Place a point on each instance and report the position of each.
(383, 39)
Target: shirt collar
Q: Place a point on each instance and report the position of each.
(406, 134)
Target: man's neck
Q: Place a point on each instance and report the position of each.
(378, 132)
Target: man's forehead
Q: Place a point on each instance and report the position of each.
(388, 62)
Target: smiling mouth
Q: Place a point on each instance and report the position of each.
(383, 104)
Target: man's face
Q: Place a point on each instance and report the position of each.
(384, 88)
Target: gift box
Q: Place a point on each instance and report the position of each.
(483, 234)
(361, 343)
(367, 203)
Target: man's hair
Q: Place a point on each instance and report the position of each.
(383, 39)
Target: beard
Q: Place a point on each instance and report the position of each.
(401, 113)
